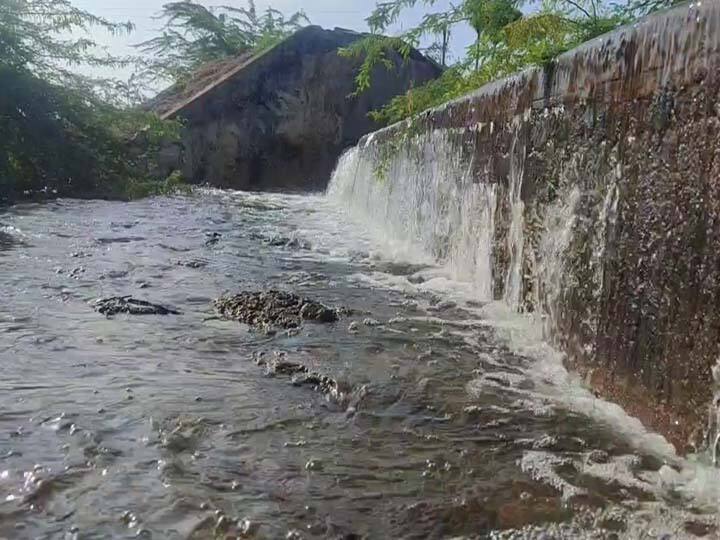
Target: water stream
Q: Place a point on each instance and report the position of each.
(456, 418)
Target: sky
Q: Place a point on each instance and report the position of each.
(349, 14)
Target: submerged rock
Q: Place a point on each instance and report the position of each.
(212, 238)
(192, 263)
(273, 308)
(126, 304)
(7, 241)
(291, 243)
(301, 375)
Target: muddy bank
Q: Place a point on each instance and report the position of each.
(584, 195)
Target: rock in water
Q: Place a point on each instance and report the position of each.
(133, 306)
(212, 238)
(312, 311)
(273, 308)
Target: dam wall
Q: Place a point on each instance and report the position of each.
(585, 194)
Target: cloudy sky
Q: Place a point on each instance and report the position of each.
(327, 13)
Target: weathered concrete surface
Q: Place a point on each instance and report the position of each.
(280, 120)
(609, 162)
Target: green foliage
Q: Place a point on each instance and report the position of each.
(133, 188)
(485, 16)
(62, 133)
(194, 35)
(639, 8)
(375, 51)
(548, 27)
(387, 13)
(490, 17)
(416, 100)
(37, 35)
(507, 41)
(58, 141)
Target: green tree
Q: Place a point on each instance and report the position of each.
(488, 18)
(61, 132)
(36, 35)
(639, 8)
(194, 35)
(506, 41)
(438, 50)
(375, 49)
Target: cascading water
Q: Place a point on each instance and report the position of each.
(514, 278)
(429, 197)
(429, 204)
(557, 235)
(427, 201)
(426, 198)
(558, 214)
(606, 224)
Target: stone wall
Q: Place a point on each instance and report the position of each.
(281, 120)
(599, 178)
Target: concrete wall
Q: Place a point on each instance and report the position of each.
(283, 119)
(599, 178)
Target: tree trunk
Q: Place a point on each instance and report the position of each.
(445, 42)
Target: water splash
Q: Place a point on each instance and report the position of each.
(714, 415)
(514, 278)
(430, 204)
(558, 229)
(606, 226)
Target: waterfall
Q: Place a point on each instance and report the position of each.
(558, 226)
(429, 194)
(514, 278)
(578, 201)
(606, 225)
(432, 194)
(427, 197)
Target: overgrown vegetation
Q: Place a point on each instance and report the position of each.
(507, 40)
(194, 35)
(67, 134)
(63, 133)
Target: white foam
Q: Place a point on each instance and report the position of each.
(541, 468)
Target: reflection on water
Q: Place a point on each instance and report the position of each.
(175, 427)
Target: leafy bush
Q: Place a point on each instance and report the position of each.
(62, 133)
(506, 41)
(140, 188)
(194, 35)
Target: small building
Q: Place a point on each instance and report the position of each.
(280, 119)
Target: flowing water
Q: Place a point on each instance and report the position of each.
(455, 418)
